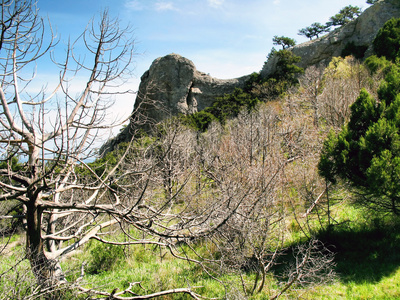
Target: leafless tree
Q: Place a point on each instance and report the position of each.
(311, 83)
(343, 80)
(312, 265)
(249, 164)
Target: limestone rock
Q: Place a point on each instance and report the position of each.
(173, 86)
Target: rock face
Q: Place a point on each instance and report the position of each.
(170, 87)
(361, 32)
(173, 86)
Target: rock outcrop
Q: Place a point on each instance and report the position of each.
(173, 86)
(361, 32)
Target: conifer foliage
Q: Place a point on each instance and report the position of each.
(366, 152)
(387, 42)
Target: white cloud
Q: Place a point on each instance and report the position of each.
(134, 5)
(161, 6)
(277, 2)
(215, 3)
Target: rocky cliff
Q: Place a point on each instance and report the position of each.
(173, 86)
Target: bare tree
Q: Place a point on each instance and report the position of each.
(330, 91)
(250, 165)
(53, 133)
(313, 264)
(343, 80)
(47, 140)
(311, 83)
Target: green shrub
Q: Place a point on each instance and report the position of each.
(104, 257)
(390, 87)
(254, 79)
(286, 68)
(200, 120)
(230, 105)
(366, 153)
(377, 64)
(225, 107)
(387, 41)
(352, 49)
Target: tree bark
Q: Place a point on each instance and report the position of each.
(44, 269)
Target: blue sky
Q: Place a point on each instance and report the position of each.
(225, 38)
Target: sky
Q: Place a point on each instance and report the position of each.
(225, 38)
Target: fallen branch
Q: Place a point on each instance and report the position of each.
(12, 217)
(118, 296)
(310, 209)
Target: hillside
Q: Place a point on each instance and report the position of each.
(172, 85)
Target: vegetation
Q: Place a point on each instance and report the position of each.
(387, 41)
(283, 41)
(345, 15)
(314, 30)
(378, 65)
(365, 152)
(286, 69)
(230, 105)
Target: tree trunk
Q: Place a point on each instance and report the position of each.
(45, 270)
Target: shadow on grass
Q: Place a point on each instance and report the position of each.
(366, 254)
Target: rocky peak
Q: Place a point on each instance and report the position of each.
(173, 86)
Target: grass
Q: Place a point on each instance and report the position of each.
(155, 271)
(386, 288)
(367, 258)
(19, 280)
(367, 255)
